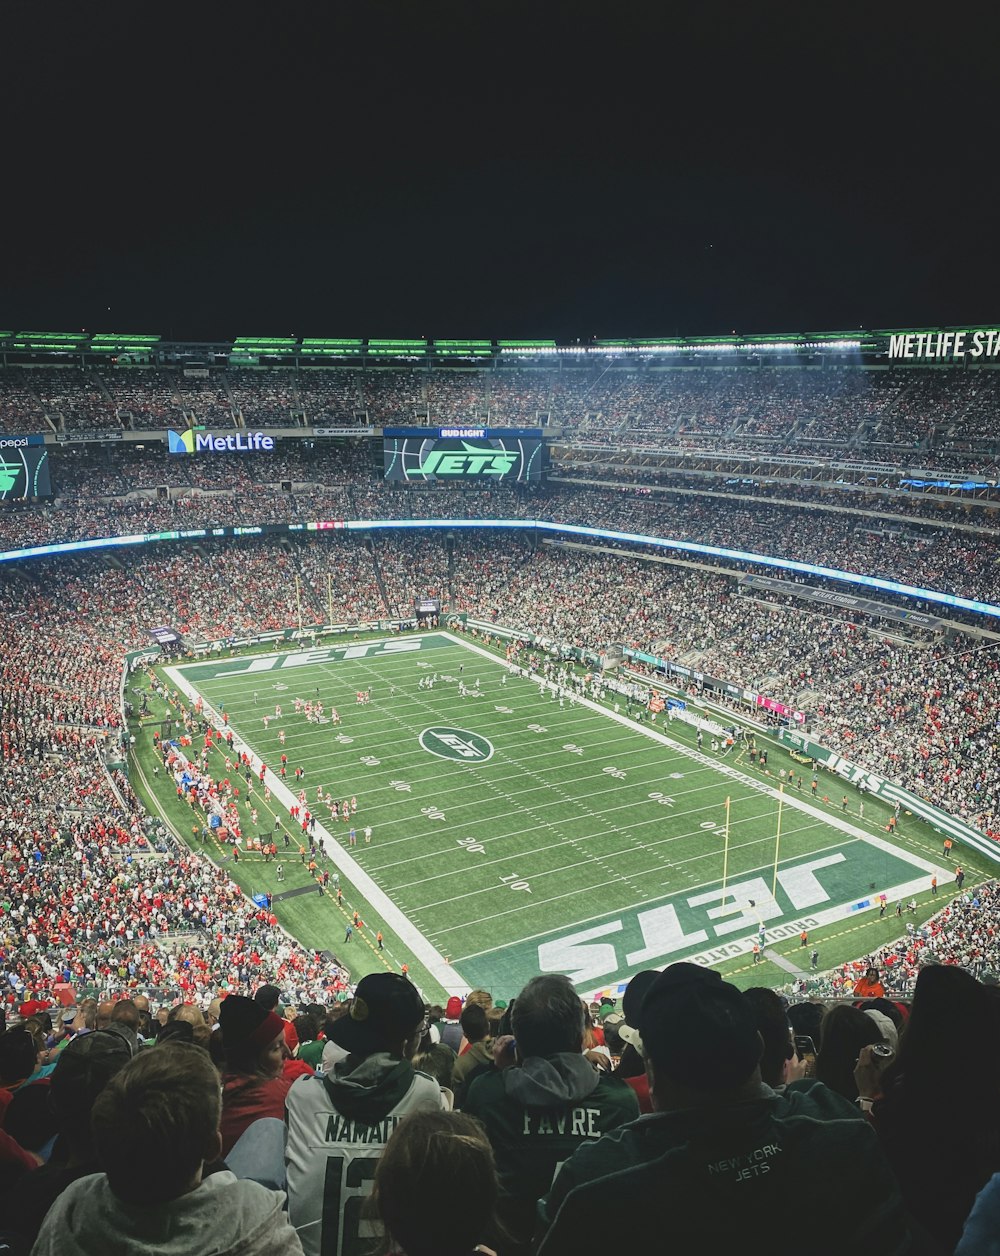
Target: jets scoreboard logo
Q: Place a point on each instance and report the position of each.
(465, 453)
(457, 744)
(468, 459)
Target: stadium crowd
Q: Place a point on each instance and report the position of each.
(824, 412)
(917, 708)
(224, 1122)
(96, 898)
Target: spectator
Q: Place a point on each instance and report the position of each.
(84, 1068)
(477, 1054)
(845, 1031)
(777, 1061)
(954, 1021)
(723, 1156)
(253, 1087)
(435, 1186)
(438, 1061)
(545, 1101)
(632, 1064)
(347, 1117)
(18, 1061)
(156, 1128)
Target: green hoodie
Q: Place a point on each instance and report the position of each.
(536, 1116)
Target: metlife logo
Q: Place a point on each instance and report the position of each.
(192, 442)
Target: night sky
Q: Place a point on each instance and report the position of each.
(474, 169)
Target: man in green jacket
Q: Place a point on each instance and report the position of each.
(546, 1102)
(723, 1159)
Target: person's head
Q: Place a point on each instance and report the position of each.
(42, 1022)
(632, 999)
(806, 1019)
(438, 1060)
(700, 1038)
(871, 975)
(482, 997)
(454, 1009)
(84, 1068)
(268, 997)
(475, 1023)
(435, 1185)
(18, 1055)
(951, 1012)
(306, 1027)
(104, 1010)
(190, 1014)
(845, 1031)
(772, 1025)
(386, 1014)
(141, 1003)
(548, 1018)
(253, 1038)
(125, 1012)
(157, 1122)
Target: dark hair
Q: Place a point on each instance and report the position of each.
(949, 1007)
(267, 997)
(807, 1019)
(474, 1022)
(306, 1027)
(772, 1025)
(435, 1186)
(163, 1104)
(548, 1017)
(845, 1031)
(439, 1061)
(18, 1053)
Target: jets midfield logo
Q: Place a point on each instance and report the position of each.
(456, 743)
(475, 460)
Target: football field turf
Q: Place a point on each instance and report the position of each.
(513, 834)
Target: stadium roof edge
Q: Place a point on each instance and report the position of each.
(144, 348)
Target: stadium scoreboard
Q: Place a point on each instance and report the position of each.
(24, 469)
(484, 455)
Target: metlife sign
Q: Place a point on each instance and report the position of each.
(946, 346)
(463, 454)
(195, 442)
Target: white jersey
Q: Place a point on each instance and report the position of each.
(331, 1154)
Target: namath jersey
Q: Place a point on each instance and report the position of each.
(336, 1129)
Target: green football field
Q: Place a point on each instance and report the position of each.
(513, 833)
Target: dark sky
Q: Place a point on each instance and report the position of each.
(476, 169)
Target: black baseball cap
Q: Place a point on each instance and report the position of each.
(386, 1008)
(699, 1030)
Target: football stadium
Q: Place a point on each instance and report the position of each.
(477, 662)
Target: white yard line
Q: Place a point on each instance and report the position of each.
(408, 933)
(433, 960)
